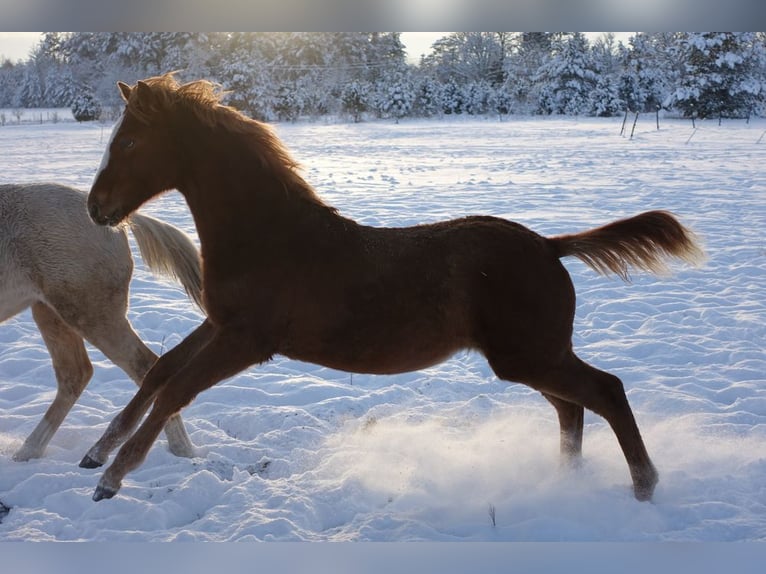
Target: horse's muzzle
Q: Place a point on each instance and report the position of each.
(100, 218)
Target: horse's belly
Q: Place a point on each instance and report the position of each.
(379, 354)
(14, 298)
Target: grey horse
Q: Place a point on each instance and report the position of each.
(75, 276)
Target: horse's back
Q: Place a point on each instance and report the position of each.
(397, 299)
(49, 248)
(51, 220)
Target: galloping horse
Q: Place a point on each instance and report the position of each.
(76, 276)
(284, 273)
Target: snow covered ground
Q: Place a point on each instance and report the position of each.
(292, 451)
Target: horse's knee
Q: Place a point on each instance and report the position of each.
(169, 402)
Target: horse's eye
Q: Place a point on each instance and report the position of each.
(127, 143)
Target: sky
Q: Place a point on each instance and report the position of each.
(16, 46)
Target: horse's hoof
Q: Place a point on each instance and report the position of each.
(22, 457)
(643, 494)
(103, 492)
(184, 452)
(643, 489)
(88, 462)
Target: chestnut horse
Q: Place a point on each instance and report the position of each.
(75, 276)
(284, 273)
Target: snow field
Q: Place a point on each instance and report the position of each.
(293, 451)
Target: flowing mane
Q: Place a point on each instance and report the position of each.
(202, 98)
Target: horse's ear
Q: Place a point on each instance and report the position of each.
(124, 90)
(144, 93)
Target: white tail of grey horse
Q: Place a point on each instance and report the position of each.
(168, 251)
(75, 276)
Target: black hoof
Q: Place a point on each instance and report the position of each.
(643, 489)
(103, 492)
(88, 462)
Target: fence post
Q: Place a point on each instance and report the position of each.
(635, 120)
(625, 119)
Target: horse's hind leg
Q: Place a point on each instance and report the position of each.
(576, 382)
(103, 321)
(571, 425)
(73, 370)
(604, 394)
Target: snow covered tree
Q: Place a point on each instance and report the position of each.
(384, 55)
(568, 77)
(355, 99)
(452, 98)
(629, 85)
(85, 106)
(629, 92)
(395, 95)
(245, 72)
(476, 96)
(249, 89)
(646, 72)
(10, 80)
(53, 73)
(501, 101)
(723, 75)
(470, 57)
(427, 101)
(605, 98)
(288, 103)
(31, 92)
(523, 65)
(605, 95)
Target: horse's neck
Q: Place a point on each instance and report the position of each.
(256, 211)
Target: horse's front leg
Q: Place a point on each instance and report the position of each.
(73, 370)
(126, 421)
(225, 354)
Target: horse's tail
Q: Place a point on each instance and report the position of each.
(170, 252)
(642, 242)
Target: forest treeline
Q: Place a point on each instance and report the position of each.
(283, 76)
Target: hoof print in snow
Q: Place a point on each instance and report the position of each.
(4, 510)
(261, 469)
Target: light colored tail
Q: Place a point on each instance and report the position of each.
(168, 251)
(642, 242)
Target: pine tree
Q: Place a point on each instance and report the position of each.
(605, 95)
(31, 92)
(288, 103)
(722, 75)
(452, 98)
(476, 96)
(500, 101)
(85, 106)
(427, 101)
(646, 73)
(470, 57)
(523, 68)
(568, 77)
(355, 99)
(605, 98)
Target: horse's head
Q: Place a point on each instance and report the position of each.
(139, 161)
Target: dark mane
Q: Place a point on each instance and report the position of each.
(202, 99)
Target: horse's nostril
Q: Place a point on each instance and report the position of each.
(93, 211)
